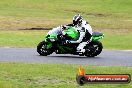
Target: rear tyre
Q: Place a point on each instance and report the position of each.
(93, 49)
(42, 50)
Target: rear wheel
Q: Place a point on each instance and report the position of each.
(41, 49)
(93, 49)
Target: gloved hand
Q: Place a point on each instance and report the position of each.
(67, 42)
(64, 27)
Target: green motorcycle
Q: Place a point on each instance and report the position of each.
(55, 43)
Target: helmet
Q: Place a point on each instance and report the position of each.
(77, 19)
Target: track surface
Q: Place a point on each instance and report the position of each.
(29, 55)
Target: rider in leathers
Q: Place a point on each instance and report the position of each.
(85, 30)
(82, 27)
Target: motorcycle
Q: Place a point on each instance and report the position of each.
(55, 43)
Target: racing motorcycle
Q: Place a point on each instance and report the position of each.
(55, 43)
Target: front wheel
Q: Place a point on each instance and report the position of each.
(41, 49)
(93, 49)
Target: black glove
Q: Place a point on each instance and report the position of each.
(64, 27)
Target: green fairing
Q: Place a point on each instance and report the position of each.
(53, 36)
(49, 45)
(97, 38)
(65, 49)
(72, 32)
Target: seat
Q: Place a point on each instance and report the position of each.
(96, 34)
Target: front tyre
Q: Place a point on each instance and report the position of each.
(94, 49)
(41, 49)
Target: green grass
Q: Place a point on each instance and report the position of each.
(21, 38)
(117, 40)
(102, 14)
(108, 16)
(26, 38)
(23, 75)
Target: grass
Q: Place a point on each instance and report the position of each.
(117, 40)
(102, 14)
(21, 38)
(107, 16)
(24, 75)
(27, 38)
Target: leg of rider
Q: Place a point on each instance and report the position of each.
(81, 46)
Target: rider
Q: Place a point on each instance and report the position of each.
(85, 30)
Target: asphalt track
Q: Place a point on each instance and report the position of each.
(29, 55)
